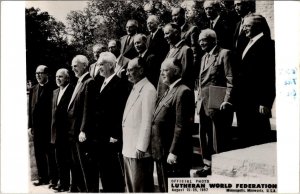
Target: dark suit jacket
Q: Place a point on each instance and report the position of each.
(218, 72)
(129, 51)
(240, 40)
(152, 68)
(40, 112)
(190, 34)
(172, 125)
(81, 113)
(158, 46)
(98, 78)
(224, 33)
(184, 54)
(59, 126)
(256, 74)
(123, 62)
(110, 104)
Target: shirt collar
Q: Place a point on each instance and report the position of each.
(106, 80)
(173, 84)
(143, 54)
(258, 36)
(64, 89)
(82, 76)
(43, 83)
(178, 43)
(215, 20)
(212, 50)
(140, 84)
(154, 32)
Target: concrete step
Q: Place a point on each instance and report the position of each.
(256, 161)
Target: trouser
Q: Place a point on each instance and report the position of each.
(45, 161)
(214, 132)
(165, 171)
(63, 159)
(111, 167)
(84, 168)
(139, 174)
(255, 128)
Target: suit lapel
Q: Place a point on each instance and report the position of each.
(78, 89)
(212, 59)
(55, 97)
(169, 96)
(132, 102)
(109, 85)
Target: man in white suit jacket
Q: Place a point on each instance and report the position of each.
(137, 129)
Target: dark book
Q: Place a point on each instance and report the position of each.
(216, 96)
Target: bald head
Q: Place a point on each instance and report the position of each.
(80, 65)
(41, 74)
(62, 78)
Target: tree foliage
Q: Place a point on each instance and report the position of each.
(45, 42)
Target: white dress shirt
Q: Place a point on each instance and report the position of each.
(61, 93)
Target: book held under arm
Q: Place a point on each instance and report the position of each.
(216, 96)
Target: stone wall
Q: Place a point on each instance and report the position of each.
(266, 8)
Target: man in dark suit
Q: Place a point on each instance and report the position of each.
(189, 32)
(256, 81)
(59, 128)
(171, 132)
(152, 66)
(40, 99)
(222, 27)
(81, 117)
(127, 46)
(214, 123)
(156, 43)
(180, 51)
(242, 8)
(110, 104)
(114, 47)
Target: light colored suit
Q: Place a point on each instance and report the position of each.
(137, 118)
(136, 126)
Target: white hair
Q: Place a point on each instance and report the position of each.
(153, 18)
(107, 57)
(81, 59)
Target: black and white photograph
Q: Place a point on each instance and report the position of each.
(157, 96)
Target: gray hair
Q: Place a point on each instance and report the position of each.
(209, 33)
(65, 72)
(142, 36)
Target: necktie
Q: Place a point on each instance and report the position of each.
(151, 37)
(211, 24)
(103, 85)
(127, 41)
(206, 61)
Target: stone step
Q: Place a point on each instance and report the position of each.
(255, 161)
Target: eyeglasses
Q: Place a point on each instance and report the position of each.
(39, 73)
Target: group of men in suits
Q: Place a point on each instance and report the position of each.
(135, 105)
